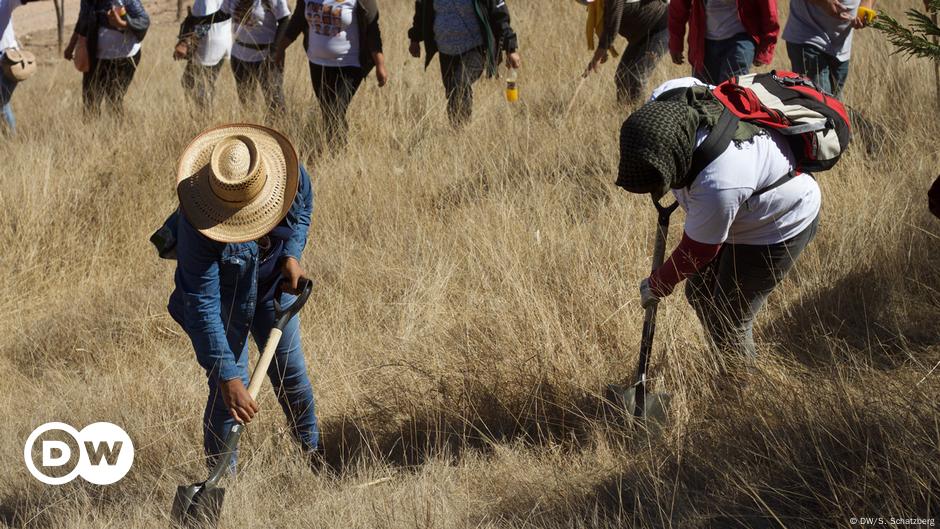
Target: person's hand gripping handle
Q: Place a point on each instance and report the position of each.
(281, 317)
(647, 299)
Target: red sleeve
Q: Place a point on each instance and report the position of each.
(687, 259)
(679, 12)
(765, 27)
(934, 197)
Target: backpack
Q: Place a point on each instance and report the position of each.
(164, 239)
(815, 124)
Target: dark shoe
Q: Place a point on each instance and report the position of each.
(316, 460)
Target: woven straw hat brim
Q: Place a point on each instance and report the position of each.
(231, 223)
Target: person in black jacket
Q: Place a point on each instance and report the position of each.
(469, 36)
(644, 24)
(113, 31)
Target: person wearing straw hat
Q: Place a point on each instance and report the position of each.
(245, 204)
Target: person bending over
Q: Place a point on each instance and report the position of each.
(245, 208)
(739, 238)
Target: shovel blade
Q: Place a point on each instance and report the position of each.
(654, 409)
(197, 507)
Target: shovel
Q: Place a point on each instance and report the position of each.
(200, 504)
(635, 397)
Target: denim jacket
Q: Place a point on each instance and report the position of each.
(217, 285)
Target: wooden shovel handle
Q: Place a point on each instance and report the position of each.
(257, 376)
(281, 316)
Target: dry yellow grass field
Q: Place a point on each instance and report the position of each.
(476, 291)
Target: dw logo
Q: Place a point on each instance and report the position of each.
(102, 453)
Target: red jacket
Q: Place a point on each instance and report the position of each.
(759, 18)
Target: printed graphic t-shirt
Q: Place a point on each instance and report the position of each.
(217, 42)
(334, 32)
(8, 38)
(722, 20)
(809, 24)
(255, 24)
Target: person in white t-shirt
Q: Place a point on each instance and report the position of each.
(7, 41)
(741, 236)
(205, 41)
(726, 37)
(343, 43)
(113, 31)
(258, 24)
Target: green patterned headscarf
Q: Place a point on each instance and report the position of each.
(656, 144)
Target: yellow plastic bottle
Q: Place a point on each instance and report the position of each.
(512, 88)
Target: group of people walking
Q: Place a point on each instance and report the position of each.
(343, 44)
(246, 201)
(726, 37)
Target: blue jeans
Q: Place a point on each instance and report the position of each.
(288, 374)
(727, 58)
(6, 93)
(826, 72)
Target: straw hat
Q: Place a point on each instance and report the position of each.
(18, 65)
(237, 182)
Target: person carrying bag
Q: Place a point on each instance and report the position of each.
(106, 48)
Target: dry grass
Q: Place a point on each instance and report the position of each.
(466, 316)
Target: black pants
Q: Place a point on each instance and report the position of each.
(108, 81)
(335, 87)
(459, 72)
(637, 63)
(249, 75)
(199, 83)
(729, 292)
